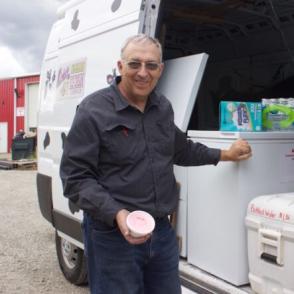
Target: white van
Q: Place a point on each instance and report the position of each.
(213, 50)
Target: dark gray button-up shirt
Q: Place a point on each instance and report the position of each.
(117, 157)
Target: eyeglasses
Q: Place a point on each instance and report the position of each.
(136, 65)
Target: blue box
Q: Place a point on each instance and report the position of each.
(240, 116)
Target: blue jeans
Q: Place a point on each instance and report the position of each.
(117, 267)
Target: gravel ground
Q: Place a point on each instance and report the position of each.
(28, 261)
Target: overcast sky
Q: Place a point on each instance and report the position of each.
(24, 29)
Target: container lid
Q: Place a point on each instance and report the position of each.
(256, 136)
(180, 83)
(276, 207)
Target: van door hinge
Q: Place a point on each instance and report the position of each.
(149, 16)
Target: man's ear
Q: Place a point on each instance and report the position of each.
(161, 68)
(119, 66)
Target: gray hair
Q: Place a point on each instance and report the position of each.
(141, 38)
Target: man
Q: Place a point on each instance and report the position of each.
(119, 157)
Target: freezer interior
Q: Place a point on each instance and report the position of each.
(249, 45)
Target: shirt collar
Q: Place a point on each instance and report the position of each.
(121, 103)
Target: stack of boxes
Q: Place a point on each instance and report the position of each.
(269, 115)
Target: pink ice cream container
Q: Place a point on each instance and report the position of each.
(140, 223)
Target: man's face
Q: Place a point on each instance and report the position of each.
(140, 70)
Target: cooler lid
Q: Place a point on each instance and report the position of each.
(275, 207)
(180, 83)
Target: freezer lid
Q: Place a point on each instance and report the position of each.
(180, 83)
(250, 136)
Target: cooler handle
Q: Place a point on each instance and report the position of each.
(270, 238)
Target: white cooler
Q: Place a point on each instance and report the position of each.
(270, 226)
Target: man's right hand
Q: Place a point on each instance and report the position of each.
(121, 219)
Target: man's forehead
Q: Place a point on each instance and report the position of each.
(137, 50)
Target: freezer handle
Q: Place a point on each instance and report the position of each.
(270, 246)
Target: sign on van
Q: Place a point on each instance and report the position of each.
(71, 80)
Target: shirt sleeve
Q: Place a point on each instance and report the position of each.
(79, 169)
(189, 153)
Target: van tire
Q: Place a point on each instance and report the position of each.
(72, 261)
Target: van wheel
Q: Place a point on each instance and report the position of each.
(71, 261)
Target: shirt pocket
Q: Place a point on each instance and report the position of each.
(164, 137)
(122, 141)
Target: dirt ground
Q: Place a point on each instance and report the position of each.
(28, 262)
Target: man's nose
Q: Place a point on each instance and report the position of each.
(143, 71)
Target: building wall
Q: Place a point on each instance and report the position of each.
(12, 103)
(7, 106)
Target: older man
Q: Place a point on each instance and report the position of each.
(119, 157)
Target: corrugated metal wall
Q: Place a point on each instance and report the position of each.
(7, 106)
(7, 92)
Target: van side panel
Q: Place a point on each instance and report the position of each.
(81, 58)
(90, 18)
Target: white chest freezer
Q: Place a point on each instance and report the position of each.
(270, 226)
(218, 198)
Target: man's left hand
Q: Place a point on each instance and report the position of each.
(239, 150)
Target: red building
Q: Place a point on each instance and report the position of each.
(18, 107)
